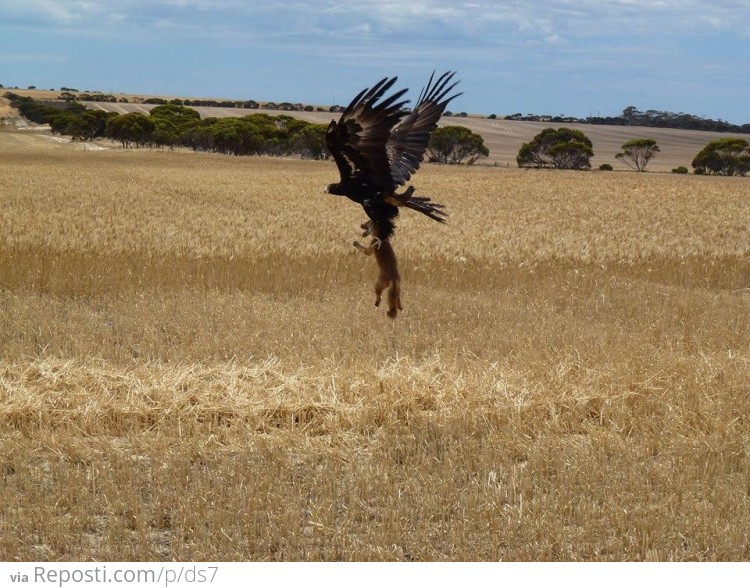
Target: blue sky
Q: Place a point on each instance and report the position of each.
(573, 57)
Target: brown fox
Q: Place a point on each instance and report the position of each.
(388, 266)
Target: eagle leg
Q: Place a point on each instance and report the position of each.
(419, 203)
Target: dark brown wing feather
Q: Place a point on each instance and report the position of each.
(358, 140)
(409, 138)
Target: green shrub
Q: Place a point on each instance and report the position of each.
(729, 156)
(455, 144)
(561, 148)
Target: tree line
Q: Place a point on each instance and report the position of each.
(172, 125)
(631, 116)
(254, 134)
(175, 125)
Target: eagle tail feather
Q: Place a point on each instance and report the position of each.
(432, 209)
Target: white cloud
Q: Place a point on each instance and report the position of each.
(489, 21)
(37, 10)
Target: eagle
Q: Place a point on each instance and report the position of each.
(377, 145)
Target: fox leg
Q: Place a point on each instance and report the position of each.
(394, 299)
(374, 243)
(362, 248)
(382, 282)
(380, 285)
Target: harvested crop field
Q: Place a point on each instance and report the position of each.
(191, 366)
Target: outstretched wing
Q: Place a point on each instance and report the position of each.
(358, 140)
(409, 138)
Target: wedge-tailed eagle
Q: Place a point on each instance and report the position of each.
(378, 145)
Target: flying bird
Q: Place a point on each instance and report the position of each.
(377, 146)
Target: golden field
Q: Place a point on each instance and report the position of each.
(191, 366)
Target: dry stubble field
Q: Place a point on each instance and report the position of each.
(191, 366)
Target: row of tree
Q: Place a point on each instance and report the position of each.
(631, 116)
(566, 148)
(173, 125)
(255, 134)
(69, 96)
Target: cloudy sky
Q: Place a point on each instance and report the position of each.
(574, 57)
